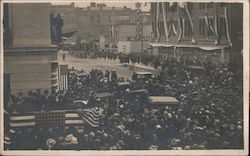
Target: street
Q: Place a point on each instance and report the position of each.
(88, 64)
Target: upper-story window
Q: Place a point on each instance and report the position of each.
(173, 7)
(210, 21)
(110, 19)
(162, 28)
(91, 18)
(202, 6)
(222, 26)
(222, 4)
(187, 29)
(210, 5)
(202, 27)
(190, 6)
(98, 19)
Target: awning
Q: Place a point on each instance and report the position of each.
(123, 84)
(143, 73)
(104, 95)
(195, 67)
(163, 100)
(183, 45)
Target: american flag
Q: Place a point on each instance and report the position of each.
(59, 118)
(92, 116)
(63, 77)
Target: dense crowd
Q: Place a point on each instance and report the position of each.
(209, 115)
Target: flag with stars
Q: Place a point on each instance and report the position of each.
(60, 118)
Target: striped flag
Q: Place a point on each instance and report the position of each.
(60, 118)
(63, 77)
(92, 116)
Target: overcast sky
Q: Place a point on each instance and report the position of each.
(110, 4)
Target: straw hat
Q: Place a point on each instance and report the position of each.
(50, 143)
(71, 139)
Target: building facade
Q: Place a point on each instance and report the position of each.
(98, 22)
(101, 21)
(69, 16)
(30, 60)
(126, 38)
(202, 31)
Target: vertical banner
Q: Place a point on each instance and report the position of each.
(179, 7)
(227, 27)
(164, 20)
(190, 22)
(216, 24)
(63, 77)
(152, 19)
(157, 21)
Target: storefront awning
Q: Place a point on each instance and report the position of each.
(201, 46)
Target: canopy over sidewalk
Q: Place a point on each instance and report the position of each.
(163, 100)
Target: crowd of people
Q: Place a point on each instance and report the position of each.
(209, 115)
(155, 61)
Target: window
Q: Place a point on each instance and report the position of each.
(173, 8)
(202, 6)
(222, 26)
(190, 6)
(161, 28)
(167, 7)
(222, 4)
(187, 28)
(174, 27)
(211, 22)
(210, 5)
(92, 18)
(110, 19)
(202, 27)
(161, 7)
(98, 19)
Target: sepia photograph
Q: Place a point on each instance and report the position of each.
(141, 78)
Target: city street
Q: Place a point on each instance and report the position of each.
(124, 76)
(88, 64)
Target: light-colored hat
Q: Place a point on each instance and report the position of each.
(158, 126)
(71, 139)
(50, 143)
(153, 147)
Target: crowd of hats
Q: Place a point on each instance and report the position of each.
(210, 115)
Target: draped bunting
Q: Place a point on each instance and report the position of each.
(209, 25)
(227, 29)
(152, 18)
(183, 5)
(191, 24)
(164, 20)
(174, 28)
(216, 25)
(180, 23)
(157, 21)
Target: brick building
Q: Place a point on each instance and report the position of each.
(30, 60)
(96, 21)
(69, 16)
(203, 31)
